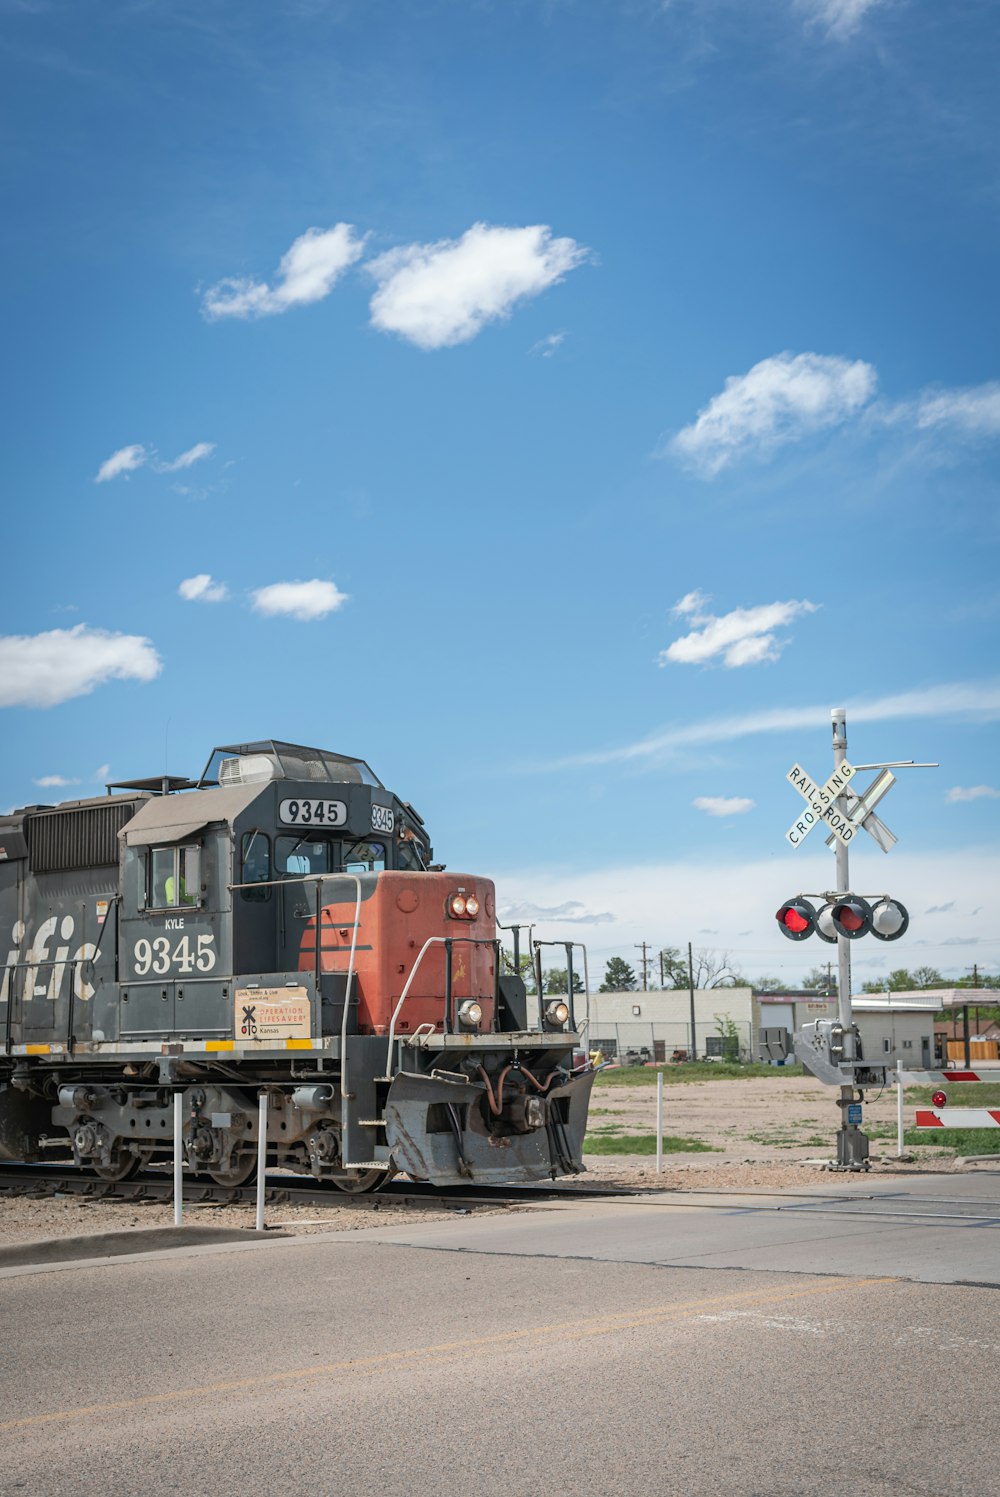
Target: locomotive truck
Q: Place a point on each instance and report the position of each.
(277, 926)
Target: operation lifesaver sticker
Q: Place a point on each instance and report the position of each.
(272, 1014)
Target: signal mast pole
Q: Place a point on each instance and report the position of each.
(839, 717)
(852, 1148)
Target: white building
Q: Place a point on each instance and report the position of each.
(660, 1021)
(893, 1026)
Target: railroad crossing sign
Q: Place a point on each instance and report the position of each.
(860, 809)
(839, 807)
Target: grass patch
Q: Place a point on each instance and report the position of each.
(788, 1141)
(643, 1143)
(698, 1070)
(961, 1140)
(961, 1094)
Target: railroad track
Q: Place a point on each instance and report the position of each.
(45, 1180)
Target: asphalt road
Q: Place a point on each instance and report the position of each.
(557, 1350)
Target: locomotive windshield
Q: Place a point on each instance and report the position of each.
(306, 853)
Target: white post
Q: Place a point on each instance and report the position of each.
(659, 1121)
(178, 1157)
(261, 1157)
(899, 1108)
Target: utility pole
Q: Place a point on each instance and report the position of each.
(694, 1043)
(663, 971)
(643, 946)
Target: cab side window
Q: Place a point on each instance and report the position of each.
(256, 866)
(173, 877)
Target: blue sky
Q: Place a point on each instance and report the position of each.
(562, 405)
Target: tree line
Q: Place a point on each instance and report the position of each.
(668, 971)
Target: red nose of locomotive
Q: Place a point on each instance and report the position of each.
(403, 922)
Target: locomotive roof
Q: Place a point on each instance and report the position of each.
(172, 818)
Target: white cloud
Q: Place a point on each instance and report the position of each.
(202, 589)
(54, 781)
(308, 272)
(300, 600)
(744, 637)
(546, 347)
(436, 295)
(973, 700)
(123, 462)
(723, 805)
(839, 17)
(974, 411)
(779, 400)
(971, 792)
(571, 912)
(41, 670)
(101, 772)
(193, 455)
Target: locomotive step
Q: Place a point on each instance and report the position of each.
(371, 1122)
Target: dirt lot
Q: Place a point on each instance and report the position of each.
(770, 1133)
(779, 1117)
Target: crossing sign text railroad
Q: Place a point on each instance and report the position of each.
(820, 804)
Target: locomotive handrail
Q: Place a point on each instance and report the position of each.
(447, 942)
(319, 880)
(431, 941)
(537, 965)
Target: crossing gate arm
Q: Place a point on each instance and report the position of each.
(948, 1117)
(958, 1117)
(946, 1078)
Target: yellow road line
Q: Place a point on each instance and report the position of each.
(600, 1325)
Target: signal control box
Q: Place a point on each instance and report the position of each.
(820, 1047)
(775, 1044)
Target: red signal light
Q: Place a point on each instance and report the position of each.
(797, 919)
(851, 916)
(939, 1099)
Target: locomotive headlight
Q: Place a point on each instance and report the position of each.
(471, 906)
(556, 1013)
(470, 1014)
(457, 906)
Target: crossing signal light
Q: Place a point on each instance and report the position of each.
(797, 919)
(889, 920)
(825, 928)
(851, 916)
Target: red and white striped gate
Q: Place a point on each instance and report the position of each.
(940, 1115)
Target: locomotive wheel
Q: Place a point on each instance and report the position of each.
(240, 1173)
(123, 1166)
(358, 1182)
